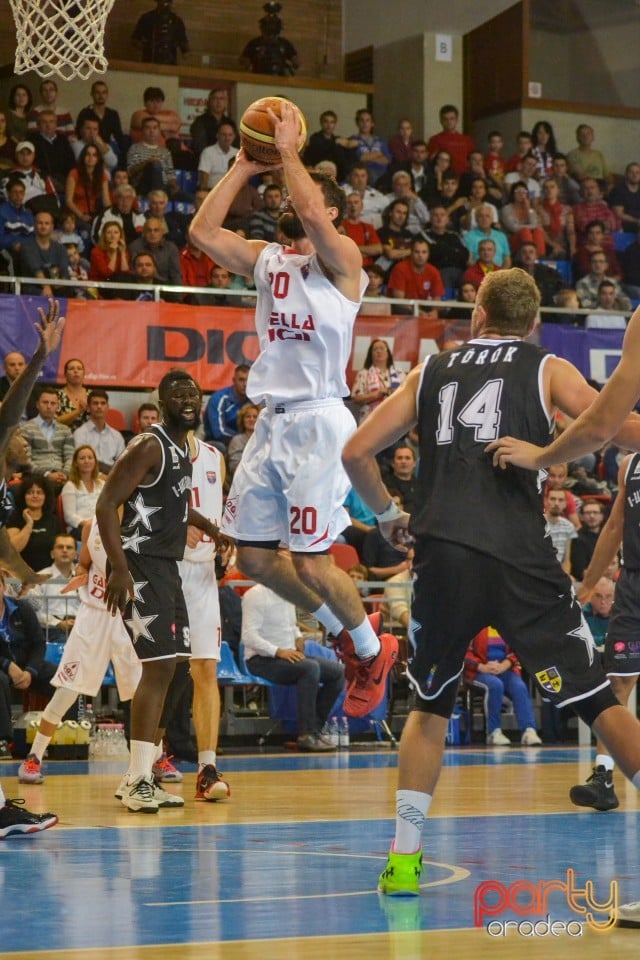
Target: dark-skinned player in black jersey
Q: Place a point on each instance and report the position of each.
(152, 481)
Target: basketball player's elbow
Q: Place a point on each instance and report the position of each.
(198, 234)
(353, 456)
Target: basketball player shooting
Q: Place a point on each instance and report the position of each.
(290, 485)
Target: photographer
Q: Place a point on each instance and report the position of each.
(270, 53)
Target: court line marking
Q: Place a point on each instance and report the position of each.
(457, 875)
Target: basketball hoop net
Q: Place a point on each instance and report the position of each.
(61, 38)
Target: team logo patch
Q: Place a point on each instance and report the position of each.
(68, 672)
(304, 270)
(550, 680)
(230, 508)
(211, 476)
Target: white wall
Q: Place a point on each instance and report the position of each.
(378, 22)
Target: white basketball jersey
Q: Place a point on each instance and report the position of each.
(93, 592)
(206, 496)
(304, 326)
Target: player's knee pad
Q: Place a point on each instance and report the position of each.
(442, 705)
(591, 707)
(60, 702)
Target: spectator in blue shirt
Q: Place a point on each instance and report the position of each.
(16, 220)
(221, 414)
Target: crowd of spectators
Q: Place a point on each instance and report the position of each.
(432, 214)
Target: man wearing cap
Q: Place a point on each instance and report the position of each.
(36, 185)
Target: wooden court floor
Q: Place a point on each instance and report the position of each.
(287, 868)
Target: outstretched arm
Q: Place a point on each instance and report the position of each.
(49, 330)
(601, 416)
(207, 233)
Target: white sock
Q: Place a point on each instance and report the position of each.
(2, 798)
(411, 810)
(143, 755)
(365, 640)
(206, 758)
(328, 619)
(40, 744)
(159, 751)
(604, 760)
(635, 780)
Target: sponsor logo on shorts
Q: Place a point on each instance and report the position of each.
(211, 476)
(230, 508)
(68, 672)
(186, 637)
(550, 680)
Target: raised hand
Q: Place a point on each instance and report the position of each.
(50, 328)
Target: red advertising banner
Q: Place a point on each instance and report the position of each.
(132, 345)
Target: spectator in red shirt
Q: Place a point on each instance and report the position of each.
(415, 278)
(196, 266)
(363, 234)
(459, 145)
(494, 163)
(110, 254)
(592, 207)
(524, 144)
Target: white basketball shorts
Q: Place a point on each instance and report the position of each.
(96, 639)
(290, 484)
(203, 607)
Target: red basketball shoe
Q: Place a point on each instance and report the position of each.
(367, 688)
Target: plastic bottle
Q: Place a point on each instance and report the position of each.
(89, 715)
(343, 733)
(119, 743)
(82, 707)
(332, 733)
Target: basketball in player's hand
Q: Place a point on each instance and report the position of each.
(257, 131)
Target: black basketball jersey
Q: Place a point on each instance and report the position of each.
(468, 397)
(154, 522)
(631, 523)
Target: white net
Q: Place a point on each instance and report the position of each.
(61, 38)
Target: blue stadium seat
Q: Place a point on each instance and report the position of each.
(564, 268)
(187, 180)
(228, 670)
(54, 652)
(622, 239)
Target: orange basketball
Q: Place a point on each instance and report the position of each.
(256, 129)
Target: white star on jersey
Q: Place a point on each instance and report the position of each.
(142, 512)
(132, 543)
(138, 587)
(584, 633)
(138, 625)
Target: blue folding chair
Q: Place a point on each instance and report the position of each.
(228, 670)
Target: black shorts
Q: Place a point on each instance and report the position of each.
(156, 619)
(458, 591)
(622, 646)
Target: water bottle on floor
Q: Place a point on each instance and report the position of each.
(343, 733)
(332, 732)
